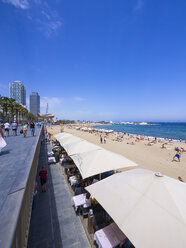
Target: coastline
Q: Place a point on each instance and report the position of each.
(142, 133)
(151, 157)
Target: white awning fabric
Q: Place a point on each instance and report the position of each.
(149, 209)
(90, 158)
(98, 161)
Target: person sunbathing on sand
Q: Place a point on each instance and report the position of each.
(163, 146)
(180, 179)
(131, 143)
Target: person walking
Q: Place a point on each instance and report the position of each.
(105, 140)
(32, 128)
(2, 141)
(7, 127)
(178, 156)
(14, 128)
(25, 126)
(43, 174)
(101, 139)
(1, 130)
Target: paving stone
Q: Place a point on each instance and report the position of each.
(54, 220)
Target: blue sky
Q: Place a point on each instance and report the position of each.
(97, 59)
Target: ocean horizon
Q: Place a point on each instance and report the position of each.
(169, 130)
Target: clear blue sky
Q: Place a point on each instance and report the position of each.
(98, 59)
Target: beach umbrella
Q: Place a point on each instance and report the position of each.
(98, 161)
(149, 208)
(80, 147)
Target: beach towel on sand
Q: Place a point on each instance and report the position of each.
(2, 143)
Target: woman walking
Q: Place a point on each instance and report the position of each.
(32, 128)
(2, 141)
(25, 126)
(7, 127)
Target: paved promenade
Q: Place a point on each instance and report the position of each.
(15, 165)
(54, 223)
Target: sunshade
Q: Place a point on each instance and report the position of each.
(149, 209)
(98, 161)
(81, 147)
(62, 136)
(66, 139)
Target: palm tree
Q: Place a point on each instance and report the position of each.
(24, 113)
(4, 105)
(11, 106)
(17, 110)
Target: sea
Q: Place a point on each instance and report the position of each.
(170, 130)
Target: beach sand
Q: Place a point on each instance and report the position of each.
(148, 157)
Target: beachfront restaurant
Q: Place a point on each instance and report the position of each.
(132, 208)
(79, 175)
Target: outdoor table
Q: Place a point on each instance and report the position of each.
(72, 180)
(50, 154)
(109, 237)
(51, 160)
(78, 200)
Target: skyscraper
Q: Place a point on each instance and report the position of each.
(34, 103)
(17, 91)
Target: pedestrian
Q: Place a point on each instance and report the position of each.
(14, 128)
(7, 127)
(25, 126)
(32, 128)
(178, 155)
(101, 139)
(105, 140)
(43, 178)
(1, 130)
(2, 141)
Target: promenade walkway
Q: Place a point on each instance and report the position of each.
(54, 223)
(17, 162)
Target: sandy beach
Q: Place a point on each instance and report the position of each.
(151, 157)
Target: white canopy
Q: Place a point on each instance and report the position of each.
(61, 136)
(80, 147)
(98, 161)
(68, 142)
(150, 210)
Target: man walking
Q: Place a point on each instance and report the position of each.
(14, 128)
(43, 174)
(32, 128)
(2, 141)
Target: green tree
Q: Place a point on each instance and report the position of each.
(11, 106)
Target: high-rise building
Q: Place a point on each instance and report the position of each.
(34, 103)
(17, 91)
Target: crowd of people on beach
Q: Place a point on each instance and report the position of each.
(131, 139)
